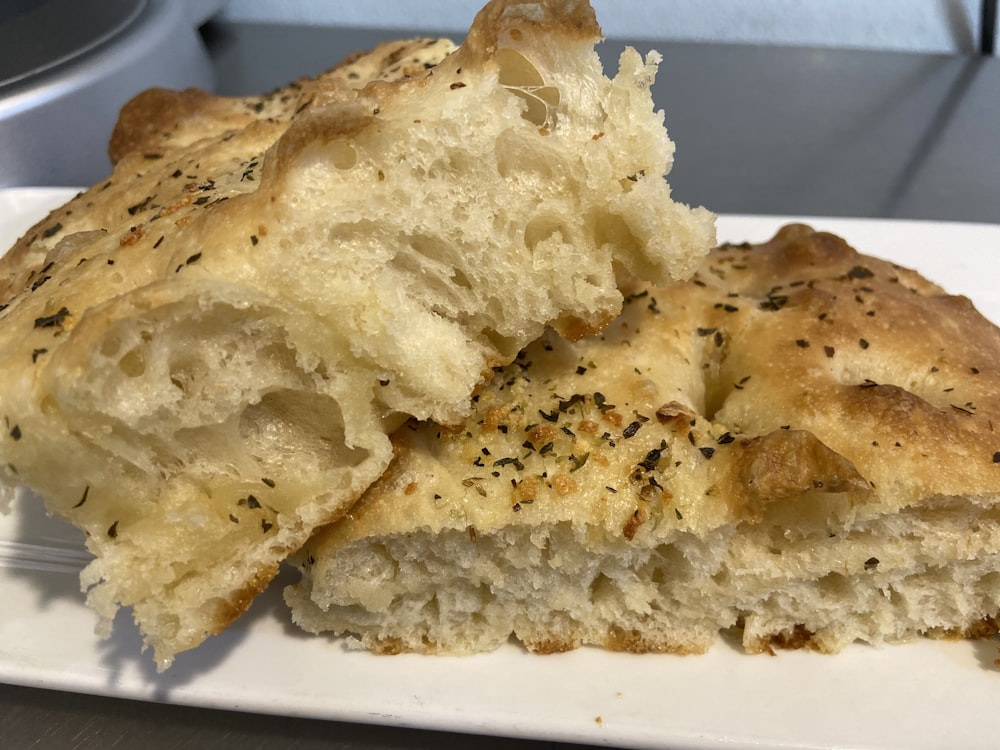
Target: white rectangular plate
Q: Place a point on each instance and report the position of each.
(921, 695)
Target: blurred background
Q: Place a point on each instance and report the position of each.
(946, 26)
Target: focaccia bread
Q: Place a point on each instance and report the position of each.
(203, 355)
(799, 444)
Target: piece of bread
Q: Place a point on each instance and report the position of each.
(204, 354)
(800, 443)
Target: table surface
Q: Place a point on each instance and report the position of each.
(760, 130)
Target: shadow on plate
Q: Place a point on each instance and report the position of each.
(46, 552)
(123, 653)
(49, 554)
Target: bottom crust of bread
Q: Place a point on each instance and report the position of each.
(559, 587)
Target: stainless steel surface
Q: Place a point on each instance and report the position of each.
(758, 130)
(37, 36)
(67, 66)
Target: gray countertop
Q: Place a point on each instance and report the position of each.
(758, 130)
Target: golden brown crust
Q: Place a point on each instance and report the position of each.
(511, 18)
(634, 641)
(231, 610)
(159, 119)
(796, 638)
(143, 121)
